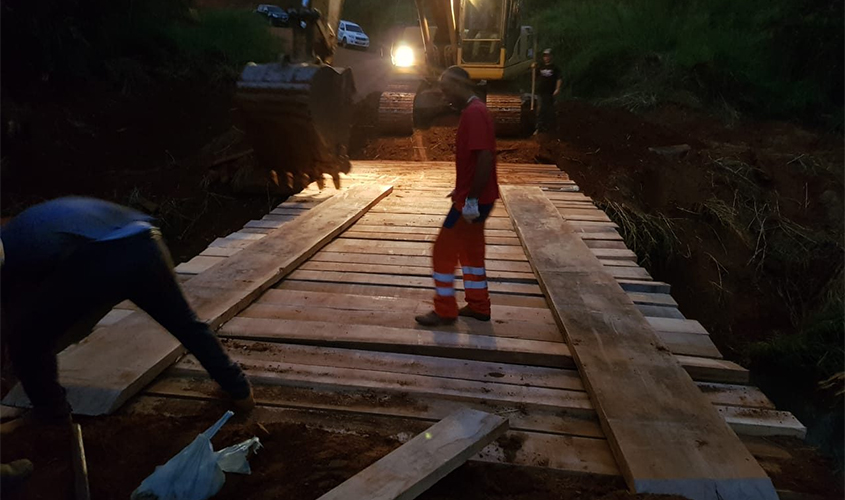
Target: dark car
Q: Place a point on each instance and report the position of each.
(275, 14)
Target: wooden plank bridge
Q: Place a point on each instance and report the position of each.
(588, 356)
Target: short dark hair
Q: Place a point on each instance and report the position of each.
(456, 74)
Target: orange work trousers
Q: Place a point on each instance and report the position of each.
(461, 242)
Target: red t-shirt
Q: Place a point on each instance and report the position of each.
(475, 133)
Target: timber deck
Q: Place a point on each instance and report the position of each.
(335, 341)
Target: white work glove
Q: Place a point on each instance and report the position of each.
(470, 210)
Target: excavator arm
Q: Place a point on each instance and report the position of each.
(297, 112)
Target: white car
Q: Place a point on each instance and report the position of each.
(350, 34)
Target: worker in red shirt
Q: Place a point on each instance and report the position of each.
(461, 239)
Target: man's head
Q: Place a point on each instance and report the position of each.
(547, 56)
(456, 86)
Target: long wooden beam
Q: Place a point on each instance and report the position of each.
(115, 362)
(418, 464)
(665, 435)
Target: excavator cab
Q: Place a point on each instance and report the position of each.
(485, 37)
(297, 112)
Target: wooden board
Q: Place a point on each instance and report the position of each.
(652, 311)
(365, 228)
(418, 464)
(407, 281)
(756, 422)
(415, 249)
(407, 270)
(501, 327)
(666, 436)
(410, 260)
(449, 344)
(341, 380)
(347, 302)
(408, 293)
(115, 362)
(677, 325)
(690, 344)
(258, 354)
(429, 238)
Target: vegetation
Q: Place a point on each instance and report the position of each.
(127, 43)
(780, 58)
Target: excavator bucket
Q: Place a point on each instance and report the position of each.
(298, 118)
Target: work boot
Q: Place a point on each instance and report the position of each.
(15, 473)
(466, 311)
(434, 319)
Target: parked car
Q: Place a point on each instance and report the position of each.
(350, 34)
(275, 14)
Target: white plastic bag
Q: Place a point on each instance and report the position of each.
(196, 472)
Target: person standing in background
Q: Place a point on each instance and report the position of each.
(548, 87)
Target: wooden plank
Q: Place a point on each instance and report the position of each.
(230, 243)
(250, 354)
(706, 370)
(690, 344)
(408, 293)
(736, 395)
(677, 325)
(421, 271)
(614, 253)
(345, 379)
(258, 230)
(347, 302)
(113, 317)
(500, 327)
(409, 260)
(418, 464)
(651, 311)
(239, 235)
(220, 251)
(406, 281)
(594, 243)
(641, 286)
(654, 416)
(573, 215)
(758, 422)
(713, 370)
(426, 221)
(653, 299)
(365, 228)
(637, 273)
(490, 240)
(198, 264)
(415, 249)
(441, 343)
(604, 235)
(130, 353)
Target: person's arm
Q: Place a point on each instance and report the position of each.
(483, 167)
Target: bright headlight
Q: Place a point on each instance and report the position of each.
(404, 56)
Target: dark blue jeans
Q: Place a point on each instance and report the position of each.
(89, 282)
(546, 119)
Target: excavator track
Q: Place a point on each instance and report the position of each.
(396, 109)
(508, 114)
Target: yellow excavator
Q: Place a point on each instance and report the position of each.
(485, 37)
(297, 111)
